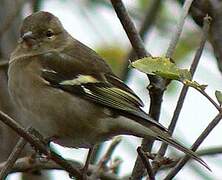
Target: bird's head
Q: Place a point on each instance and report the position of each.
(42, 31)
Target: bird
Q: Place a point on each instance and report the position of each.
(68, 93)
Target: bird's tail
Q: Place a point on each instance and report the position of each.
(151, 130)
(165, 137)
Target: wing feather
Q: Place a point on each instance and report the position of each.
(101, 87)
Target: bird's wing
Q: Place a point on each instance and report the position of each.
(103, 88)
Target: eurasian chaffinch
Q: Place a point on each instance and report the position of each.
(66, 90)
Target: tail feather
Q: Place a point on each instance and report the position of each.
(169, 140)
(139, 129)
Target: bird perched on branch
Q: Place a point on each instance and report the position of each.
(67, 91)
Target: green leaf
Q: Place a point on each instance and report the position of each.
(163, 67)
(218, 95)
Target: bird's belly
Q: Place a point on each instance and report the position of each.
(74, 121)
(71, 122)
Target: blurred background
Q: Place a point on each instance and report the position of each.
(95, 23)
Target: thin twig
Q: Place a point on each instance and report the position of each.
(115, 166)
(101, 167)
(204, 152)
(12, 158)
(87, 163)
(184, 90)
(194, 147)
(209, 98)
(179, 28)
(146, 163)
(109, 152)
(206, 26)
(96, 152)
(38, 144)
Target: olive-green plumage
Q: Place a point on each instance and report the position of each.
(67, 91)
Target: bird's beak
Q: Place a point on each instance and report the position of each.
(28, 39)
(27, 36)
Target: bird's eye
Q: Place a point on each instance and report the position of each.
(49, 33)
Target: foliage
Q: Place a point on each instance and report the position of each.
(163, 67)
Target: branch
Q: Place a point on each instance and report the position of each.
(35, 142)
(101, 167)
(209, 98)
(194, 147)
(12, 158)
(109, 152)
(96, 152)
(183, 93)
(179, 28)
(26, 165)
(212, 7)
(204, 152)
(146, 163)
